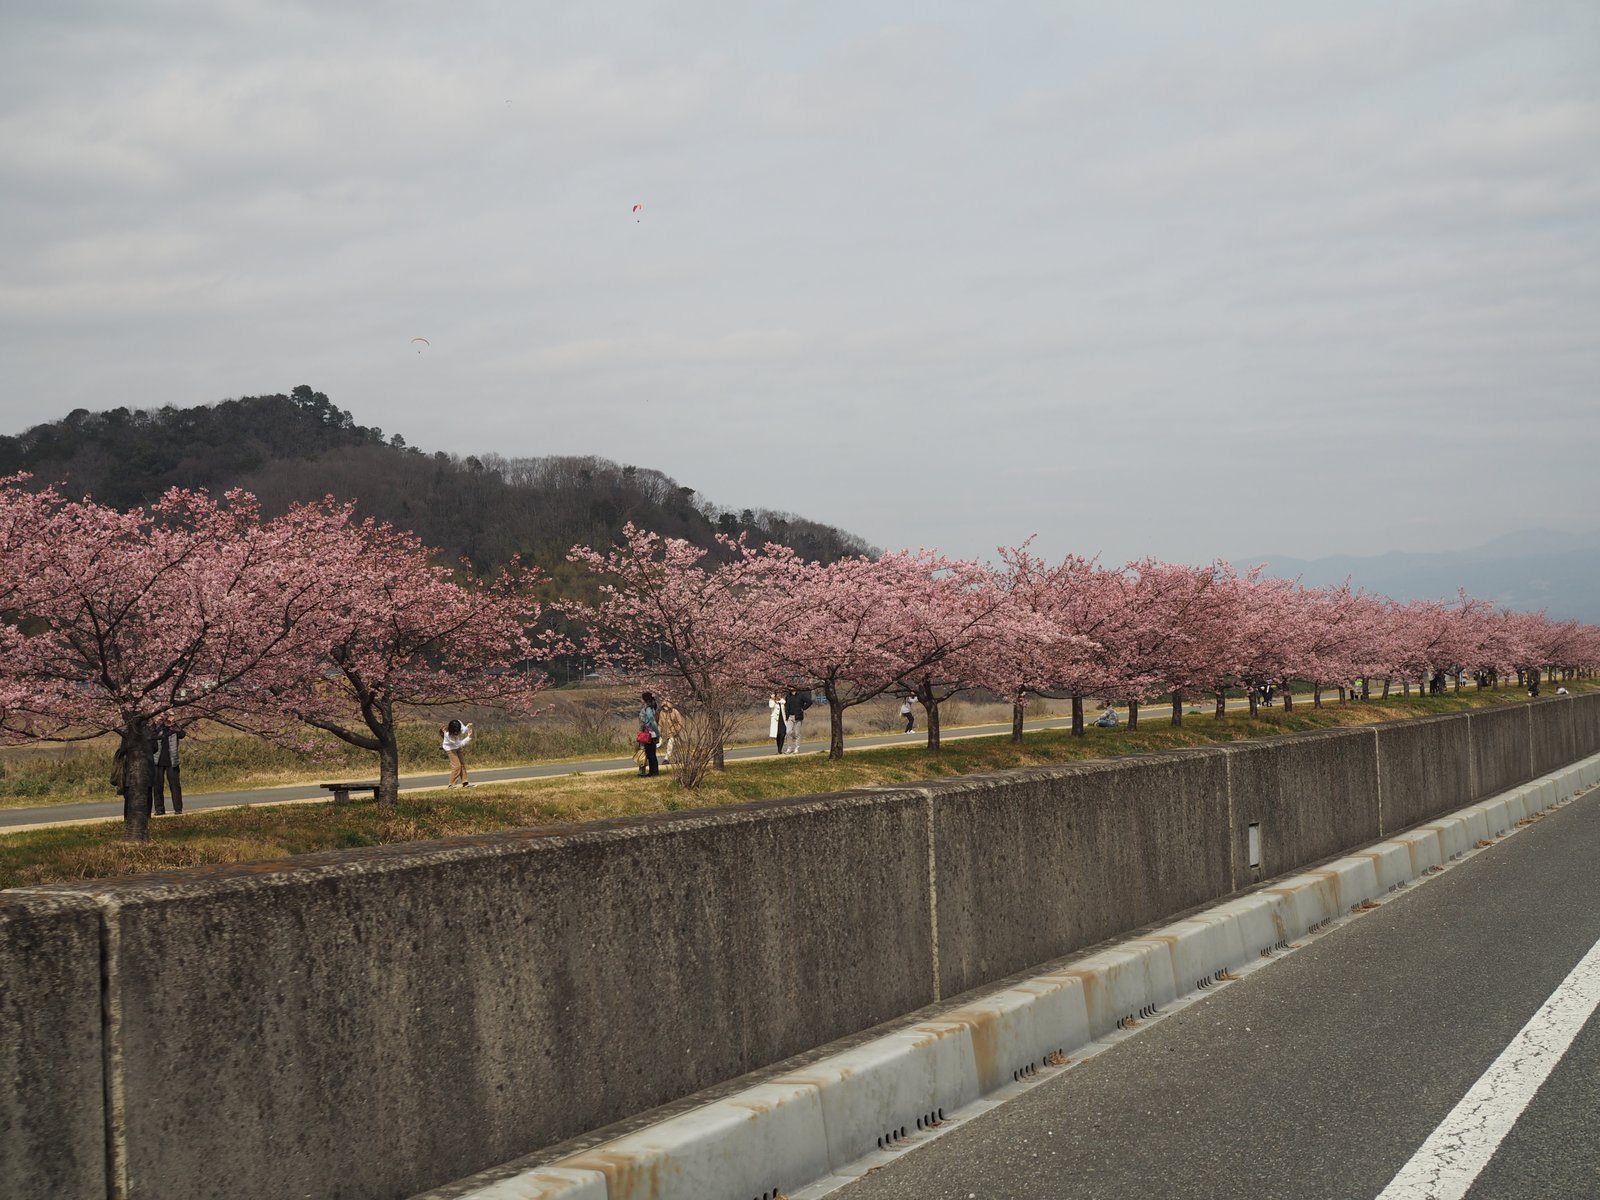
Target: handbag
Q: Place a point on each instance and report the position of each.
(645, 737)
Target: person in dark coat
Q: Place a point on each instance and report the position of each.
(164, 760)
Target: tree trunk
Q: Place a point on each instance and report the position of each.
(1016, 720)
(137, 778)
(1077, 716)
(1288, 698)
(1222, 703)
(835, 727)
(1133, 715)
(388, 766)
(719, 754)
(1177, 708)
(930, 713)
(1255, 701)
(1316, 695)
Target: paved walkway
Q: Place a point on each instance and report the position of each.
(16, 819)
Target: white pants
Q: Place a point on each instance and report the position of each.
(791, 744)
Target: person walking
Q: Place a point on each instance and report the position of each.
(649, 734)
(164, 768)
(906, 712)
(777, 726)
(456, 735)
(671, 722)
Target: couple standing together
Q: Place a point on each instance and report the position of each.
(787, 711)
(657, 722)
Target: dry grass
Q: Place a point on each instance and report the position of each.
(254, 833)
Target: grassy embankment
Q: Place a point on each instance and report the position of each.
(96, 851)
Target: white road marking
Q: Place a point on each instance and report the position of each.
(1458, 1150)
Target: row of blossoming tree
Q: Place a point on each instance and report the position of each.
(201, 609)
(723, 628)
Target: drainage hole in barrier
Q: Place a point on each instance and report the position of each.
(940, 1111)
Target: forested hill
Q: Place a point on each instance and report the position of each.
(302, 447)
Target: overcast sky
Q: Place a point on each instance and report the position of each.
(1180, 279)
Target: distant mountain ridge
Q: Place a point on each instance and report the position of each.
(301, 447)
(1528, 570)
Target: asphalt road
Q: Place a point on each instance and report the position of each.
(1321, 1074)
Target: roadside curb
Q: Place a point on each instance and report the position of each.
(805, 1129)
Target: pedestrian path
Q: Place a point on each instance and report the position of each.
(16, 819)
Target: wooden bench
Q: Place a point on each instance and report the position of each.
(341, 791)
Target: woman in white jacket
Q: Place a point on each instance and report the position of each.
(456, 735)
(777, 727)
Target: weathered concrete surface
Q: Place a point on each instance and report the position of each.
(52, 1079)
(1502, 755)
(1037, 863)
(1313, 794)
(1424, 769)
(1586, 723)
(379, 1022)
(375, 1024)
(1554, 733)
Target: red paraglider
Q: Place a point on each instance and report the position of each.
(637, 209)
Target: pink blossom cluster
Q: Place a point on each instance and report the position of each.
(198, 609)
(725, 628)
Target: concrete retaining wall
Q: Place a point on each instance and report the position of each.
(1424, 769)
(1501, 741)
(1311, 797)
(52, 1076)
(1586, 722)
(379, 1022)
(1035, 864)
(372, 1024)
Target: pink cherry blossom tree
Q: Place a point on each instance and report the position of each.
(401, 632)
(667, 613)
(953, 616)
(1047, 645)
(843, 626)
(189, 609)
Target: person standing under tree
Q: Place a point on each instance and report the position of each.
(649, 734)
(905, 711)
(671, 722)
(795, 704)
(777, 726)
(164, 760)
(456, 735)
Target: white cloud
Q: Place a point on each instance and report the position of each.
(1106, 254)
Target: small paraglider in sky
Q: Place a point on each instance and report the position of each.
(423, 340)
(637, 209)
